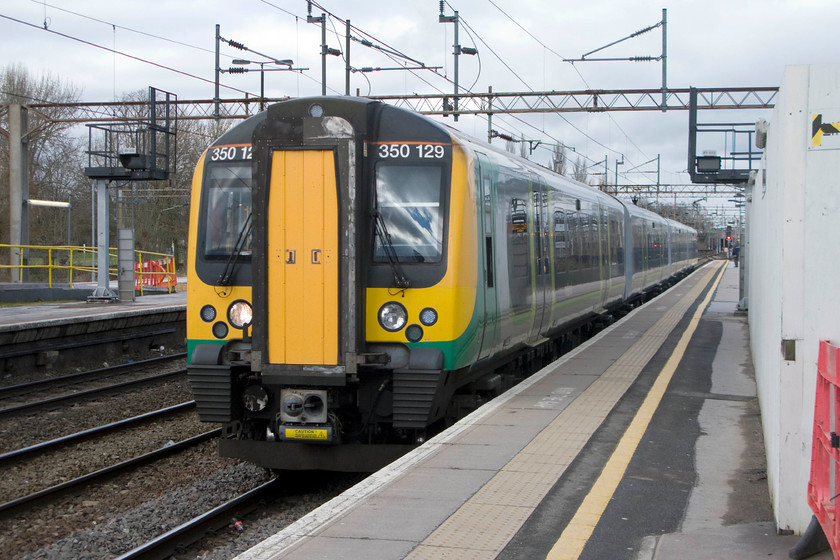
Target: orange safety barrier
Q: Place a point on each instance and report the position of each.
(825, 449)
(159, 273)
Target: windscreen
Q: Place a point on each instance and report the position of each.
(408, 199)
(227, 200)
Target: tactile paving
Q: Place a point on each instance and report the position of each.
(486, 522)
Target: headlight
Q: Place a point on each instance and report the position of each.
(255, 398)
(392, 316)
(220, 329)
(240, 314)
(208, 313)
(428, 316)
(414, 333)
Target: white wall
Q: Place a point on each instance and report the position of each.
(794, 276)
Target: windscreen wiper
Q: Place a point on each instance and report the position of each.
(400, 280)
(226, 277)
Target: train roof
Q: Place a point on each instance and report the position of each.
(394, 123)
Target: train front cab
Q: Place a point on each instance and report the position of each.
(317, 373)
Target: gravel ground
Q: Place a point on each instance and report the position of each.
(17, 432)
(106, 519)
(115, 533)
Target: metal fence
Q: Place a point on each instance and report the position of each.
(66, 265)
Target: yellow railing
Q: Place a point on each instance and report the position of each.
(78, 264)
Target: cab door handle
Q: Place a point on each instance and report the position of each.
(290, 256)
(316, 255)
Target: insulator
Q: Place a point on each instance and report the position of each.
(441, 7)
(236, 70)
(236, 45)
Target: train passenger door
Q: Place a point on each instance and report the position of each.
(605, 251)
(302, 258)
(542, 259)
(486, 203)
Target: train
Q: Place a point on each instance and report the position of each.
(361, 275)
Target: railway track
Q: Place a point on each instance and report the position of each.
(190, 532)
(15, 401)
(202, 492)
(20, 389)
(29, 461)
(12, 506)
(25, 452)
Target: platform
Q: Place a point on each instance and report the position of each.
(642, 444)
(18, 317)
(68, 335)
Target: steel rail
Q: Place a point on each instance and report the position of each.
(16, 504)
(85, 434)
(193, 530)
(75, 377)
(81, 394)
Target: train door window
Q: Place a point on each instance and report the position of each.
(638, 245)
(616, 243)
(513, 197)
(655, 246)
(586, 249)
(488, 229)
(227, 203)
(541, 227)
(559, 247)
(573, 248)
(408, 202)
(603, 241)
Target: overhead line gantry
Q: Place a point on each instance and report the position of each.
(583, 101)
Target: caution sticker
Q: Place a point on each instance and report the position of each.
(307, 433)
(820, 129)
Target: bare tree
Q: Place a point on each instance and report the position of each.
(55, 154)
(579, 171)
(558, 159)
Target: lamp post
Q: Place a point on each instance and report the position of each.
(241, 61)
(54, 204)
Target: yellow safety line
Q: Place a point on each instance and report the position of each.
(577, 533)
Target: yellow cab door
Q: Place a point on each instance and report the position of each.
(302, 251)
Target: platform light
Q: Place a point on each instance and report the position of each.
(708, 164)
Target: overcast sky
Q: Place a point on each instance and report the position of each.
(521, 44)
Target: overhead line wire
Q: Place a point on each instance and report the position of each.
(580, 75)
(114, 25)
(467, 25)
(137, 58)
(169, 40)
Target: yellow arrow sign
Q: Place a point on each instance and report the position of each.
(818, 130)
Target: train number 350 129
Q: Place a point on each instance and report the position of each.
(422, 151)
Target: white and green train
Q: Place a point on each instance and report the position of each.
(361, 275)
